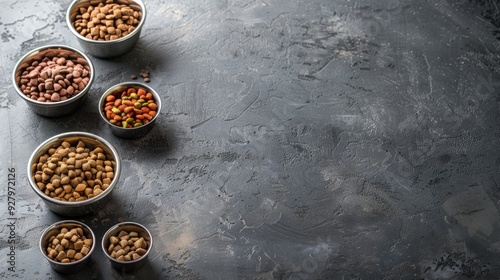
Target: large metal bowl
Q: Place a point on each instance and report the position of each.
(105, 49)
(79, 208)
(58, 108)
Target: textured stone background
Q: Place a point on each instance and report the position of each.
(298, 139)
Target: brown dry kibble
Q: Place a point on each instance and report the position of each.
(53, 75)
(144, 73)
(71, 251)
(73, 172)
(127, 246)
(107, 20)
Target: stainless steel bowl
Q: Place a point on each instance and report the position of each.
(59, 108)
(127, 266)
(135, 132)
(80, 208)
(66, 268)
(105, 49)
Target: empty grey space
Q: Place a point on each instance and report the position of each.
(325, 139)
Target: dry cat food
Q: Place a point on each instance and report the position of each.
(127, 246)
(73, 173)
(53, 75)
(144, 74)
(69, 245)
(107, 21)
(130, 108)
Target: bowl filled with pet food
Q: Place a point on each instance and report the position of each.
(106, 28)
(127, 246)
(67, 245)
(74, 173)
(130, 109)
(53, 80)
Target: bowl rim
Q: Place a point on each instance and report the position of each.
(57, 103)
(116, 226)
(116, 87)
(85, 202)
(59, 223)
(121, 39)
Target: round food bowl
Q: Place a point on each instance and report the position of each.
(33, 80)
(112, 239)
(72, 260)
(65, 196)
(99, 44)
(117, 128)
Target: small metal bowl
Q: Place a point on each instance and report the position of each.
(56, 108)
(133, 265)
(134, 132)
(55, 229)
(111, 48)
(78, 208)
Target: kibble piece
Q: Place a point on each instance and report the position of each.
(140, 251)
(123, 243)
(114, 240)
(65, 243)
(136, 256)
(85, 250)
(78, 256)
(71, 254)
(78, 245)
(53, 254)
(61, 256)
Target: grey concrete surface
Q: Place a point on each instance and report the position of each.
(328, 139)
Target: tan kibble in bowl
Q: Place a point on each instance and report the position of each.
(107, 21)
(106, 28)
(73, 172)
(127, 246)
(67, 245)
